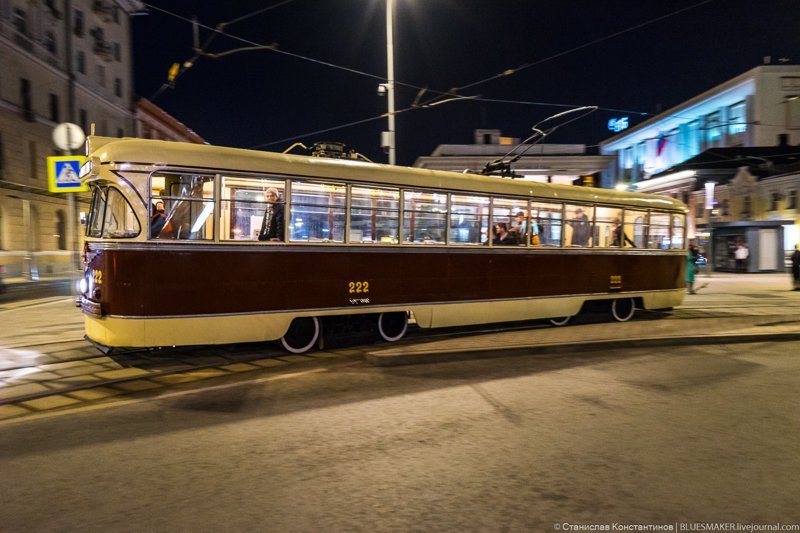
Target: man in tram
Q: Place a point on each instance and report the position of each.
(272, 227)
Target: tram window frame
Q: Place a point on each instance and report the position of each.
(504, 210)
(231, 218)
(570, 210)
(411, 214)
(109, 211)
(631, 217)
(97, 204)
(337, 213)
(543, 226)
(604, 221)
(481, 205)
(660, 231)
(390, 195)
(177, 204)
(678, 241)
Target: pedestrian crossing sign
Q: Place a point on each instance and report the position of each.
(63, 172)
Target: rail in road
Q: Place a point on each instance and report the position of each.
(63, 370)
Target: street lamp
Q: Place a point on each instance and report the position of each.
(387, 137)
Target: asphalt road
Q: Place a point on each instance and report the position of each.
(528, 443)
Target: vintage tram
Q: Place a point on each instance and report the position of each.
(173, 256)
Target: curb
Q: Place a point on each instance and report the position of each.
(444, 356)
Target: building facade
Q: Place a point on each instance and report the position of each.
(152, 122)
(60, 61)
(731, 154)
(550, 163)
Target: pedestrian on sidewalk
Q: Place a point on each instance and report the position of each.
(741, 254)
(691, 266)
(796, 268)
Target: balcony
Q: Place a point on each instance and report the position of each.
(103, 50)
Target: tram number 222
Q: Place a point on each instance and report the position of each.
(358, 287)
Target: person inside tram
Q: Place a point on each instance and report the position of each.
(618, 236)
(272, 227)
(581, 228)
(158, 220)
(520, 228)
(502, 237)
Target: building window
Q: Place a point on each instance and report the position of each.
(50, 42)
(773, 201)
(792, 200)
(118, 87)
(20, 21)
(699, 209)
(724, 205)
(737, 121)
(746, 205)
(54, 114)
(713, 128)
(26, 102)
(81, 60)
(101, 75)
(78, 23)
(117, 52)
(693, 141)
(2, 156)
(84, 120)
(61, 229)
(792, 103)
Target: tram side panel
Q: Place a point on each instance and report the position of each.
(197, 296)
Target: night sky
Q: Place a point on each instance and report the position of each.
(254, 98)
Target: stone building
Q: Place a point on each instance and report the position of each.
(60, 61)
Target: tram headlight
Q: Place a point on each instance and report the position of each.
(83, 286)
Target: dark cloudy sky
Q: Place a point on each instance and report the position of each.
(254, 98)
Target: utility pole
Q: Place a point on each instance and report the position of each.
(390, 141)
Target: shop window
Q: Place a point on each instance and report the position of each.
(374, 215)
(424, 217)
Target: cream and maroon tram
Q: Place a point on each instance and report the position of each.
(173, 256)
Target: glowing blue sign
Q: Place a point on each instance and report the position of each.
(618, 124)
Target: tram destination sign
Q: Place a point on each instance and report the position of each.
(63, 173)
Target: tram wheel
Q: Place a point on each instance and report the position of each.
(563, 321)
(392, 326)
(623, 309)
(302, 335)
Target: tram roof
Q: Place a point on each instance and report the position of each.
(167, 154)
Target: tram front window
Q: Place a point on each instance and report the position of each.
(111, 216)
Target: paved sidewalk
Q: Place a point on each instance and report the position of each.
(728, 308)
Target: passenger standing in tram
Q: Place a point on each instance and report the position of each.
(272, 226)
(520, 228)
(618, 236)
(581, 228)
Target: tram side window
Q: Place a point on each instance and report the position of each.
(424, 217)
(678, 225)
(317, 212)
(636, 227)
(119, 220)
(659, 236)
(188, 206)
(469, 219)
(546, 224)
(374, 215)
(511, 216)
(578, 229)
(607, 227)
(243, 205)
